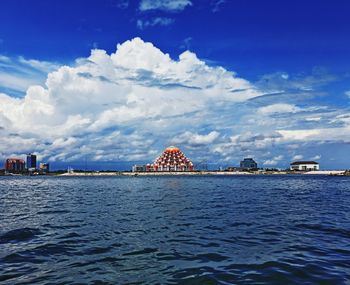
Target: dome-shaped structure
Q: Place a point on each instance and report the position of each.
(172, 159)
(172, 149)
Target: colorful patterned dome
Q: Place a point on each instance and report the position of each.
(172, 159)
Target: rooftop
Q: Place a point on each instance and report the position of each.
(303, 162)
(172, 149)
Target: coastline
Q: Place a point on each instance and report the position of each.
(206, 173)
(186, 173)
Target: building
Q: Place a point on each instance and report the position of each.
(139, 168)
(248, 163)
(31, 161)
(304, 165)
(172, 159)
(44, 167)
(14, 165)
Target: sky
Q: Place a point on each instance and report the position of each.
(110, 83)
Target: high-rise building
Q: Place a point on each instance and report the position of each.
(248, 163)
(31, 161)
(14, 165)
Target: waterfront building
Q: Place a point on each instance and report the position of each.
(14, 165)
(248, 163)
(139, 168)
(304, 165)
(31, 161)
(172, 159)
(44, 167)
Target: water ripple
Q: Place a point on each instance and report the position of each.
(175, 230)
(18, 235)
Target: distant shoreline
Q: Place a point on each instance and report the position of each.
(201, 173)
(186, 173)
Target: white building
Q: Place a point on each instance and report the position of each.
(139, 168)
(304, 165)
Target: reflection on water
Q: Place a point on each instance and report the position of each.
(175, 230)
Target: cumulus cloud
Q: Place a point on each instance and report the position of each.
(130, 104)
(165, 5)
(119, 106)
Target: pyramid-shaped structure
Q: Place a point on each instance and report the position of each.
(172, 159)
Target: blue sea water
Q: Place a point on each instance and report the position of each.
(175, 230)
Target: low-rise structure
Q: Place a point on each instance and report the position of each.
(139, 168)
(304, 165)
(44, 167)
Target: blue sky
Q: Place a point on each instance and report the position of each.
(220, 79)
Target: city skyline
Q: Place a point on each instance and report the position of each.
(116, 82)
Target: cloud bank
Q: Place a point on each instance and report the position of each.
(122, 106)
(131, 104)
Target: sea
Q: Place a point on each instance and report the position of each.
(252, 229)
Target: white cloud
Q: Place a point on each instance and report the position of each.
(347, 93)
(285, 76)
(297, 157)
(19, 74)
(322, 134)
(165, 5)
(313, 119)
(316, 157)
(278, 108)
(158, 21)
(194, 139)
(16, 82)
(4, 58)
(132, 103)
(255, 140)
(43, 66)
(247, 144)
(116, 107)
(274, 161)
